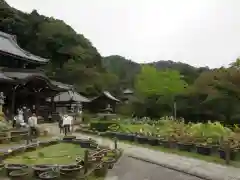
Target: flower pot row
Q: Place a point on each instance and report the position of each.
(20, 171)
(189, 147)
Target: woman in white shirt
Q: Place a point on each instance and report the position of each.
(66, 123)
(32, 122)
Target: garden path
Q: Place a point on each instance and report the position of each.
(132, 154)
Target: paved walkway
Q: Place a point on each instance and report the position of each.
(192, 166)
(131, 169)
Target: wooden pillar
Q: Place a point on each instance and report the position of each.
(52, 104)
(13, 102)
(2, 97)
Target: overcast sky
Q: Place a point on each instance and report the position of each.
(198, 32)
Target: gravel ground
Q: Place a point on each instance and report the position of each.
(130, 169)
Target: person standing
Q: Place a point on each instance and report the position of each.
(70, 120)
(32, 122)
(60, 123)
(25, 114)
(66, 124)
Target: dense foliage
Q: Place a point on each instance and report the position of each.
(197, 94)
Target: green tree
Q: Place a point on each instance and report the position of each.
(151, 81)
(163, 85)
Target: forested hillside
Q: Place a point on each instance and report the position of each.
(74, 59)
(126, 69)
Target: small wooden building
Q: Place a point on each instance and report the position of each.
(102, 102)
(69, 101)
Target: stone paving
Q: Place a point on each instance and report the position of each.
(130, 169)
(192, 166)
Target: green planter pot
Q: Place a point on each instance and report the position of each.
(18, 175)
(31, 148)
(185, 147)
(215, 149)
(13, 167)
(169, 144)
(204, 150)
(101, 170)
(71, 170)
(38, 169)
(153, 141)
(109, 162)
(233, 154)
(49, 175)
(69, 138)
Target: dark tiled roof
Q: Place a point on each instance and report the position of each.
(62, 85)
(24, 75)
(3, 77)
(8, 44)
(70, 96)
(107, 95)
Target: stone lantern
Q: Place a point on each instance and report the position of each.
(108, 109)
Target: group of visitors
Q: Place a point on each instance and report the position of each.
(65, 123)
(26, 118)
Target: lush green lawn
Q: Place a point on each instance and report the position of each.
(63, 153)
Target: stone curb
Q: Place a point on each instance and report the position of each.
(179, 169)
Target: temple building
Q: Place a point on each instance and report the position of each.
(104, 102)
(22, 79)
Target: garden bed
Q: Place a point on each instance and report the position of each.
(185, 149)
(62, 153)
(54, 159)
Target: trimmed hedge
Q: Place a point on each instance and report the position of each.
(101, 126)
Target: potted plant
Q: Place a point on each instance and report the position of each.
(185, 143)
(205, 147)
(66, 170)
(169, 141)
(38, 169)
(141, 139)
(109, 162)
(91, 162)
(49, 175)
(44, 143)
(20, 149)
(233, 149)
(20, 174)
(13, 167)
(2, 165)
(84, 143)
(101, 170)
(69, 138)
(153, 141)
(32, 147)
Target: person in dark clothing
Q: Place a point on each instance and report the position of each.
(25, 114)
(34, 109)
(60, 123)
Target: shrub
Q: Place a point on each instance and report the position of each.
(86, 117)
(102, 126)
(4, 125)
